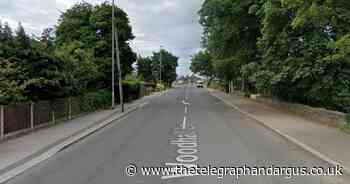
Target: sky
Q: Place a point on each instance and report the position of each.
(170, 23)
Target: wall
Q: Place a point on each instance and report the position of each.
(328, 117)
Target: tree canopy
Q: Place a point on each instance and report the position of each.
(202, 64)
(149, 67)
(297, 50)
(69, 59)
(91, 27)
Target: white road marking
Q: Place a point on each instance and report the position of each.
(179, 164)
(186, 96)
(187, 152)
(175, 176)
(5, 177)
(184, 123)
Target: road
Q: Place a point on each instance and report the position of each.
(151, 136)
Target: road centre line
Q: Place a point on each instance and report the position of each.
(184, 123)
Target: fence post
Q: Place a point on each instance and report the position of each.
(32, 115)
(2, 122)
(232, 87)
(70, 108)
(53, 116)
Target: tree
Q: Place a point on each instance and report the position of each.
(149, 67)
(78, 68)
(145, 69)
(38, 72)
(298, 43)
(202, 64)
(70, 61)
(169, 65)
(22, 41)
(231, 30)
(6, 41)
(11, 82)
(47, 39)
(91, 26)
(297, 50)
(227, 70)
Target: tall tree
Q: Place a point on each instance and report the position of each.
(297, 50)
(231, 30)
(91, 26)
(11, 82)
(168, 66)
(149, 67)
(47, 39)
(299, 41)
(6, 41)
(78, 67)
(22, 40)
(145, 69)
(202, 64)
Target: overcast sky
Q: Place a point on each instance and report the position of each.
(171, 23)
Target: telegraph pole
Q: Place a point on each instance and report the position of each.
(116, 41)
(119, 74)
(113, 56)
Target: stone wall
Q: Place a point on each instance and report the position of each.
(328, 117)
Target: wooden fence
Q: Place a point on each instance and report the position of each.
(20, 118)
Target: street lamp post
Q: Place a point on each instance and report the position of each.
(115, 43)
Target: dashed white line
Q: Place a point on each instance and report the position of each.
(184, 123)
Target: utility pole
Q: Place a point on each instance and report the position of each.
(116, 41)
(113, 56)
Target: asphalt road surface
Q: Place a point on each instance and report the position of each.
(155, 136)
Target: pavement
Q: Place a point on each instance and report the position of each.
(21, 150)
(185, 125)
(328, 143)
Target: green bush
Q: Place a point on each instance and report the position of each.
(131, 90)
(217, 85)
(101, 99)
(160, 87)
(92, 101)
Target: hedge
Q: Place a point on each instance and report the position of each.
(92, 101)
(131, 90)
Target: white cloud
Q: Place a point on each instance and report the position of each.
(173, 24)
